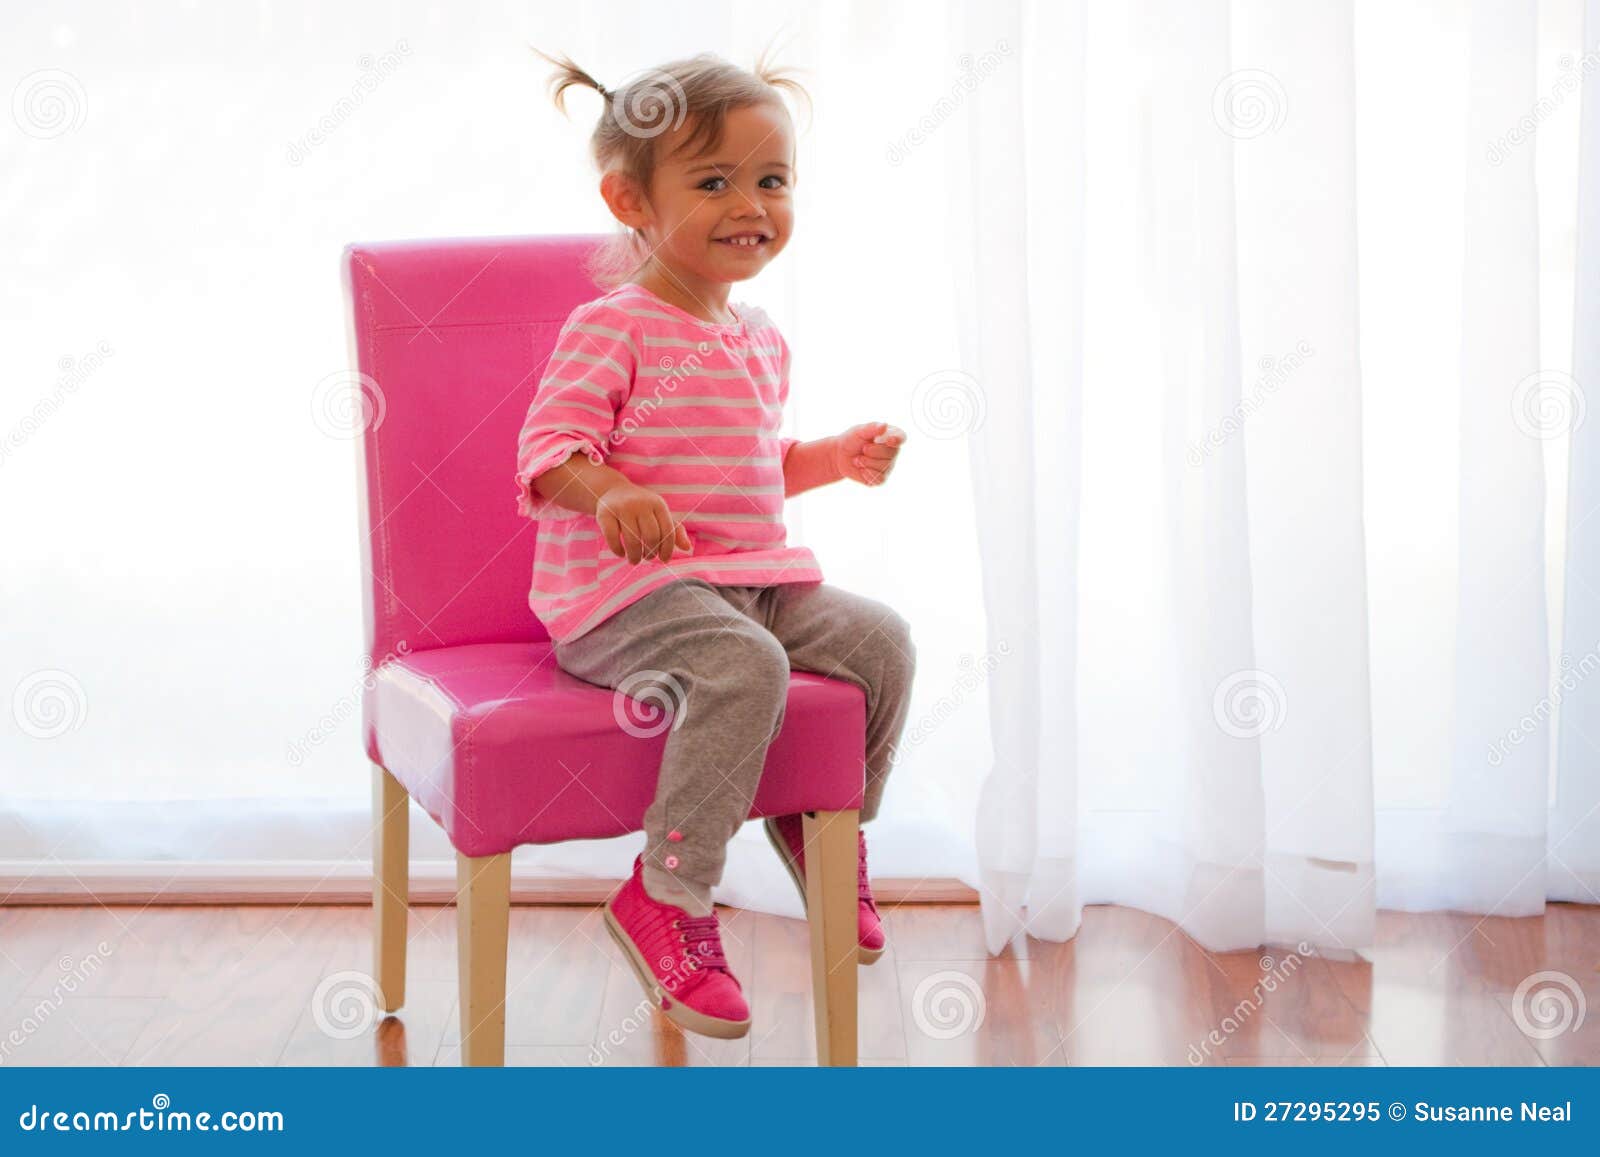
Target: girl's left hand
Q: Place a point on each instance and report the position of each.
(867, 453)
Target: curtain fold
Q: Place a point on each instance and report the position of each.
(1204, 745)
(991, 280)
(1573, 870)
(1490, 841)
(1306, 466)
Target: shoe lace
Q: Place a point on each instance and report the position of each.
(703, 941)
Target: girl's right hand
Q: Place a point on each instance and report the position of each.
(637, 524)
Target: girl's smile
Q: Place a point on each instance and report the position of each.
(714, 216)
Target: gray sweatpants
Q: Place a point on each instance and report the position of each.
(720, 656)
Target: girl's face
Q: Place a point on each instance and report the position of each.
(723, 215)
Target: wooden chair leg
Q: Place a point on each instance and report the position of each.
(830, 843)
(391, 886)
(483, 916)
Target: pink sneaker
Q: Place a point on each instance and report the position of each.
(678, 959)
(787, 834)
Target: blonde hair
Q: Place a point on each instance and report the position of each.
(698, 91)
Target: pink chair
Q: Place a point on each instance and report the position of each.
(466, 710)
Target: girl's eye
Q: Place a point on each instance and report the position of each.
(715, 184)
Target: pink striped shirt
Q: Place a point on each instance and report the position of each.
(685, 407)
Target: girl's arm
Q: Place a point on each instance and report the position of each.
(634, 520)
(864, 454)
(808, 465)
(577, 484)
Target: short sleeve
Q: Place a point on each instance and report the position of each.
(587, 380)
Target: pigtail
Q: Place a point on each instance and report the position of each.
(568, 75)
(781, 78)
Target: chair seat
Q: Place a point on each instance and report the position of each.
(502, 747)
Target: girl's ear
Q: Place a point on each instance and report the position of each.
(625, 200)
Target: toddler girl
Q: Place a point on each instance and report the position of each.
(662, 567)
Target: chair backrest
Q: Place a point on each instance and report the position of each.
(448, 342)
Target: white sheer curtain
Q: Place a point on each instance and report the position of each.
(1274, 352)
(1225, 550)
(182, 656)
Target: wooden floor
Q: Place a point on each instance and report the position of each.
(288, 986)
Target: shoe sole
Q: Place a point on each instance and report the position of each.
(679, 1014)
(864, 955)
